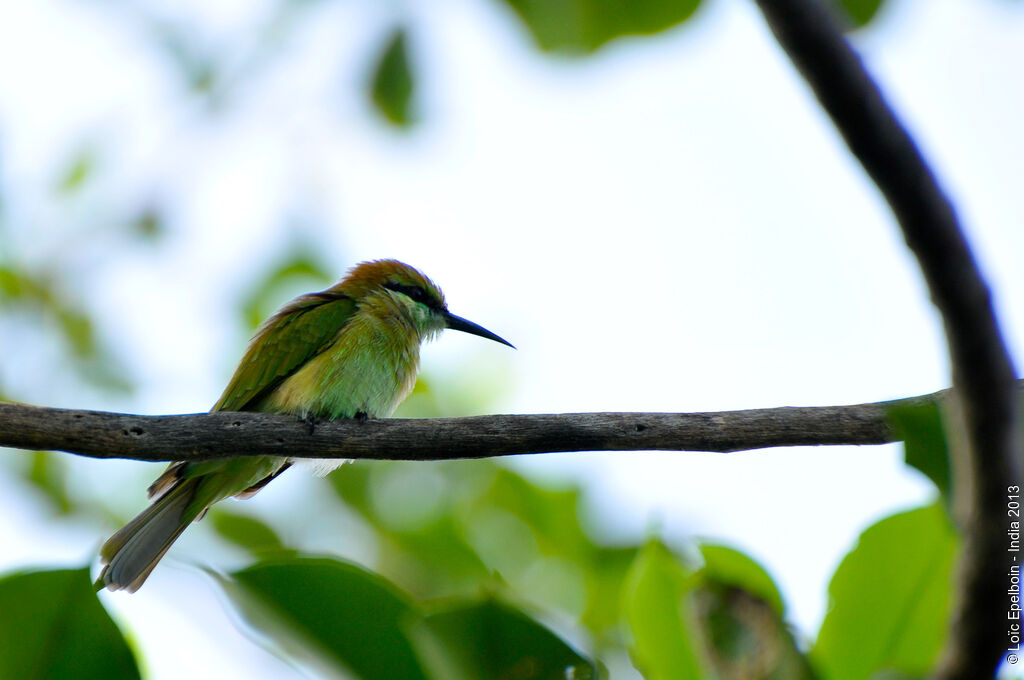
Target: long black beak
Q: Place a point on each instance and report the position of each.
(457, 323)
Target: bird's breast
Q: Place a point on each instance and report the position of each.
(369, 368)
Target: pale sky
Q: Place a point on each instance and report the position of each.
(672, 225)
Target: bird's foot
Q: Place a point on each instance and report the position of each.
(361, 416)
(310, 420)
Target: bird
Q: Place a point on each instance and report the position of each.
(350, 351)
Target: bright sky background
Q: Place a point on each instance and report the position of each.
(671, 225)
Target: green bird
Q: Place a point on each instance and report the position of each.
(351, 351)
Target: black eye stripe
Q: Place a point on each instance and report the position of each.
(413, 292)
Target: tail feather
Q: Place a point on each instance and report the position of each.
(131, 554)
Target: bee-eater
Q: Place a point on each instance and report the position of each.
(351, 351)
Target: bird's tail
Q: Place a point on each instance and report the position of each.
(131, 553)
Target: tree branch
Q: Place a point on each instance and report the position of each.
(982, 372)
(222, 434)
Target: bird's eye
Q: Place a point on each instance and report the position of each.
(413, 292)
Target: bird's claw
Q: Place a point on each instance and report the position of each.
(361, 416)
(310, 423)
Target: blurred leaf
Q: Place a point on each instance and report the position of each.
(148, 223)
(658, 610)
(489, 525)
(47, 471)
(301, 266)
(104, 372)
(741, 613)
(36, 294)
(859, 11)
(493, 641)
(890, 599)
(330, 611)
(77, 328)
(246, 532)
(433, 561)
(471, 388)
(351, 483)
(16, 284)
(81, 167)
(504, 542)
(391, 87)
(552, 514)
(581, 26)
(747, 639)
(193, 62)
(924, 441)
(531, 536)
(726, 566)
(605, 576)
(53, 626)
(423, 401)
(408, 497)
(492, 526)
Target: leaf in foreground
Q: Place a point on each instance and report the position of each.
(582, 26)
(731, 567)
(920, 427)
(246, 532)
(329, 612)
(659, 613)
(493, 640)
(861, 12)
(392, 86)
(52, 625)
(741, 616)
(890, 599)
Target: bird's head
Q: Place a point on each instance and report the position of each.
(389, 285)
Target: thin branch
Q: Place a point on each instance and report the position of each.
(982, 371)
(203, 436)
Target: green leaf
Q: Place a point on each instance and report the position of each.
(20, 285)
(48, 472)
(432, 561)
(195, 64)
(81, 167)
(747, 640)
(890, 599)
(469, 389)
(351, 483)
(77, 329)
(552, 514)
(859, 11)
(924, 441)
(731, 567)
(531, 536)
(422, 547)
(492, 640)
(39, 296)
(302, 267)
(659, 613)
(391, 88)
(740, 614)
(246, 532)
(605, 573)
(582, 26)
(330, 611)
(478, 519)
(53, 626)
(149, 223)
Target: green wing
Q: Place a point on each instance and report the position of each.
(305, 327)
